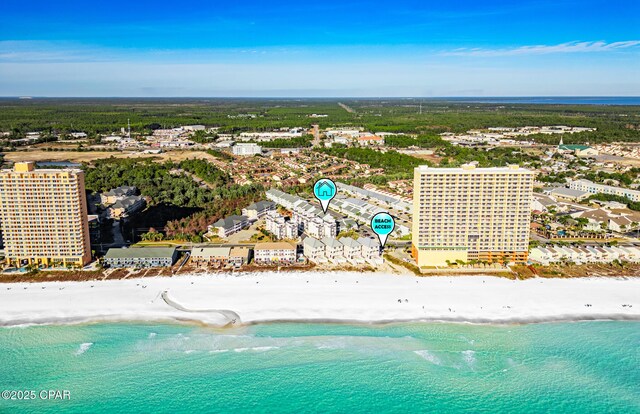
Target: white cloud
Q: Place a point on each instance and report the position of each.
(569, 47)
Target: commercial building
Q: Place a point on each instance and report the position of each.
(370, 140)
(246, 149)
(141, 257)
(593, 188)
(274, 253)
(582, 151)
(44, 216)
(471, 213)
(568, 194)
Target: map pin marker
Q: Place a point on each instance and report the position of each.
(324, 190)
(382, 224)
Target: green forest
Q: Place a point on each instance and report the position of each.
(154, 180)
(206, 171)
(299, 142)
(108, 115)
(393, 162)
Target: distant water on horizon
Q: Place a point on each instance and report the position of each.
(584, 367)
(552, 100)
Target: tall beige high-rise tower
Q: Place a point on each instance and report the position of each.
(43, 213)
(471, 213)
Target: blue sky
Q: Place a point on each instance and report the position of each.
(328, 48)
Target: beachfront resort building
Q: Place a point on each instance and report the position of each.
(343, 250)
(274, 253)
(469, 213)
(218, 257)
(140, 257)
(44, 216)
(314, 250)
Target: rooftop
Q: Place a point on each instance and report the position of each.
(349, 242)
(313, 242)
(208, 252)
(274, 246)
(261, 205)
(471, 168)
(573, 147)
(568, 192)
(230, 222)
(141, 252)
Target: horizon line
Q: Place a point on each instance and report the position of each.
(317, 97)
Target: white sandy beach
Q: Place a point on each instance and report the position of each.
(338, 297)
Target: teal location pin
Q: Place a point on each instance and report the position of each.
(324, 190)
(382, 224)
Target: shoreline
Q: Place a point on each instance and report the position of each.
(341, 297)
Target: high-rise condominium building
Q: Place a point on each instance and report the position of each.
(43, 213)
(471, 213)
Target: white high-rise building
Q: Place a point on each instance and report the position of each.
(471, 213)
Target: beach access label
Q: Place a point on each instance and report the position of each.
(325, 190)
(382, 224)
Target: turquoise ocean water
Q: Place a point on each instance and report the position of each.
(565, 367)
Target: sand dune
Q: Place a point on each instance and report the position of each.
(330, 297)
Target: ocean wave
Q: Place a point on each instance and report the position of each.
(264, 348)
(469, 357)
(83, 348)
(425, 354)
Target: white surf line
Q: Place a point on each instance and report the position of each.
(232, 317)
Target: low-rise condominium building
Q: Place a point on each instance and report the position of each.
(594, 188)
(274, 253)
(140, 257)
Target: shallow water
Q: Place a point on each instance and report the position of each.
(564, 367)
